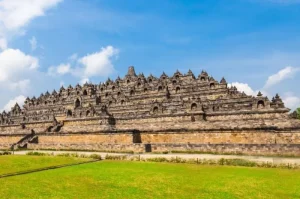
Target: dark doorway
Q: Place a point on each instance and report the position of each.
(193, 106)
(136, 136)
(148, 148)
(260, 104)
(69, 113)
(155, 110)
(77, 103)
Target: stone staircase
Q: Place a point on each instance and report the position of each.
(55, 127)
(22, 144)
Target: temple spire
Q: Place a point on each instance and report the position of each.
(131, 71)
(259, 94)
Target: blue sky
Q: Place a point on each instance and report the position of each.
(254, 44)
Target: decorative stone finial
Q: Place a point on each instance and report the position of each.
(190, 72)
(204, 73)
(223, 81)
(177, 73)
(259, 94)
(131, 71)
(163, 75)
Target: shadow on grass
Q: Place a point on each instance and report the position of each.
(45, 168)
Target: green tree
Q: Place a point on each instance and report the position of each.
(298, 112)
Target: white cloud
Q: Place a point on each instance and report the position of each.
(61, 69)
(99, 63)
(19, 99)
(84, 80)
(16, 72)
(15, 63)
(291, 101)
(95, 64)
(286, 73)
(17, 69)
(33, 43)
(22, 85)
(3, 43)
(15, 14)
(243, 88)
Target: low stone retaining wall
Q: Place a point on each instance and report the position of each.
(248, 149)
(7, 141)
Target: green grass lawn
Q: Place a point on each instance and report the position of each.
(117, 179)
(10, 164)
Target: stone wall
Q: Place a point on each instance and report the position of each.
(229, 137)
(7, 141)
(82, 139)
(247, 142)
(38, 127)
(180, 122)
(221, 137)
(247, 149)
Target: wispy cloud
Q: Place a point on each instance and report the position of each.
(33, 43)
(19, 99)
(95, 64)
(16, 14)
(18, 68)
(61, 69)
(286, 73)
(292, 101)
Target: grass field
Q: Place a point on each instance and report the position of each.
(117, 179)
(10, 164)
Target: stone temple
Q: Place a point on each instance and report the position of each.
(182, 112)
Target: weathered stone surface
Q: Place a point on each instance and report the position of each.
(181, 112)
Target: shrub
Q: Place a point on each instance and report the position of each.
(115, 157)
(177, 160)
(36, 153)
(74, 155)
(95, 156)
(5, 153)
(84, 156)
(237, 162)
(158, 159)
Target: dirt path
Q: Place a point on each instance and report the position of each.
(259, 159)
